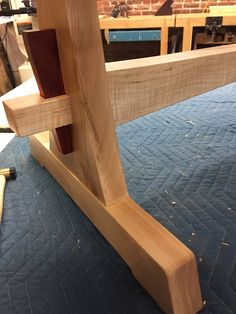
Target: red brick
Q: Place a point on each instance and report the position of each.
(131, 13)
(141, 7)
(144, 7)
(195, 11)
(191, 5)
(148, 12)
(107, 9)
(155, 6)
(177, 6)
(185, 10)
(106, 3)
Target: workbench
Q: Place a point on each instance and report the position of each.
(164, 23)
(71, 129)
(142, 22)
(189, 21)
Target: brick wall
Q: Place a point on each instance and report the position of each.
(149, 7)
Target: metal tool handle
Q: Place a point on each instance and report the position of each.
(2, 189)
(8, 173)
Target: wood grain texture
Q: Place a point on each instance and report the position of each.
(93, 175)
(33, 114)
(96, 157)
(42, 50)
(138, 87)
(161, 263)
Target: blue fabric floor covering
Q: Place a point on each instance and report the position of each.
(180, 166)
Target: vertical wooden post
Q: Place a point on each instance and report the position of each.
(96, 157)
(164, 40)
(187, 37)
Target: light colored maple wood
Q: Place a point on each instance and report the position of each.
(164, 40)
(219, 9)
(93, 175)
(161, 263)
(2, 189)
(33, 114)
(178, 20)
(199, 19)
(27, 88)
(96, 157)
(137, 22)
(138, 87)
(187, 21)
(187, 38)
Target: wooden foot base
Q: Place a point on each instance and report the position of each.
(161, 263)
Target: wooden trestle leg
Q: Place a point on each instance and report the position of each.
(92, 174)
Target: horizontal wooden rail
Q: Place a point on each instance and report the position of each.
(33, 114)
(141, 86)
(137, 22)
(178, 20)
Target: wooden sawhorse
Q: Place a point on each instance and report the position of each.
(83, 109)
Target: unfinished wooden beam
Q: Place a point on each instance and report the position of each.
(33, 114)
(137, 22)
(161, 263)
(141, 86)
(95, 156)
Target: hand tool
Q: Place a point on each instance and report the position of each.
(5, 174)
